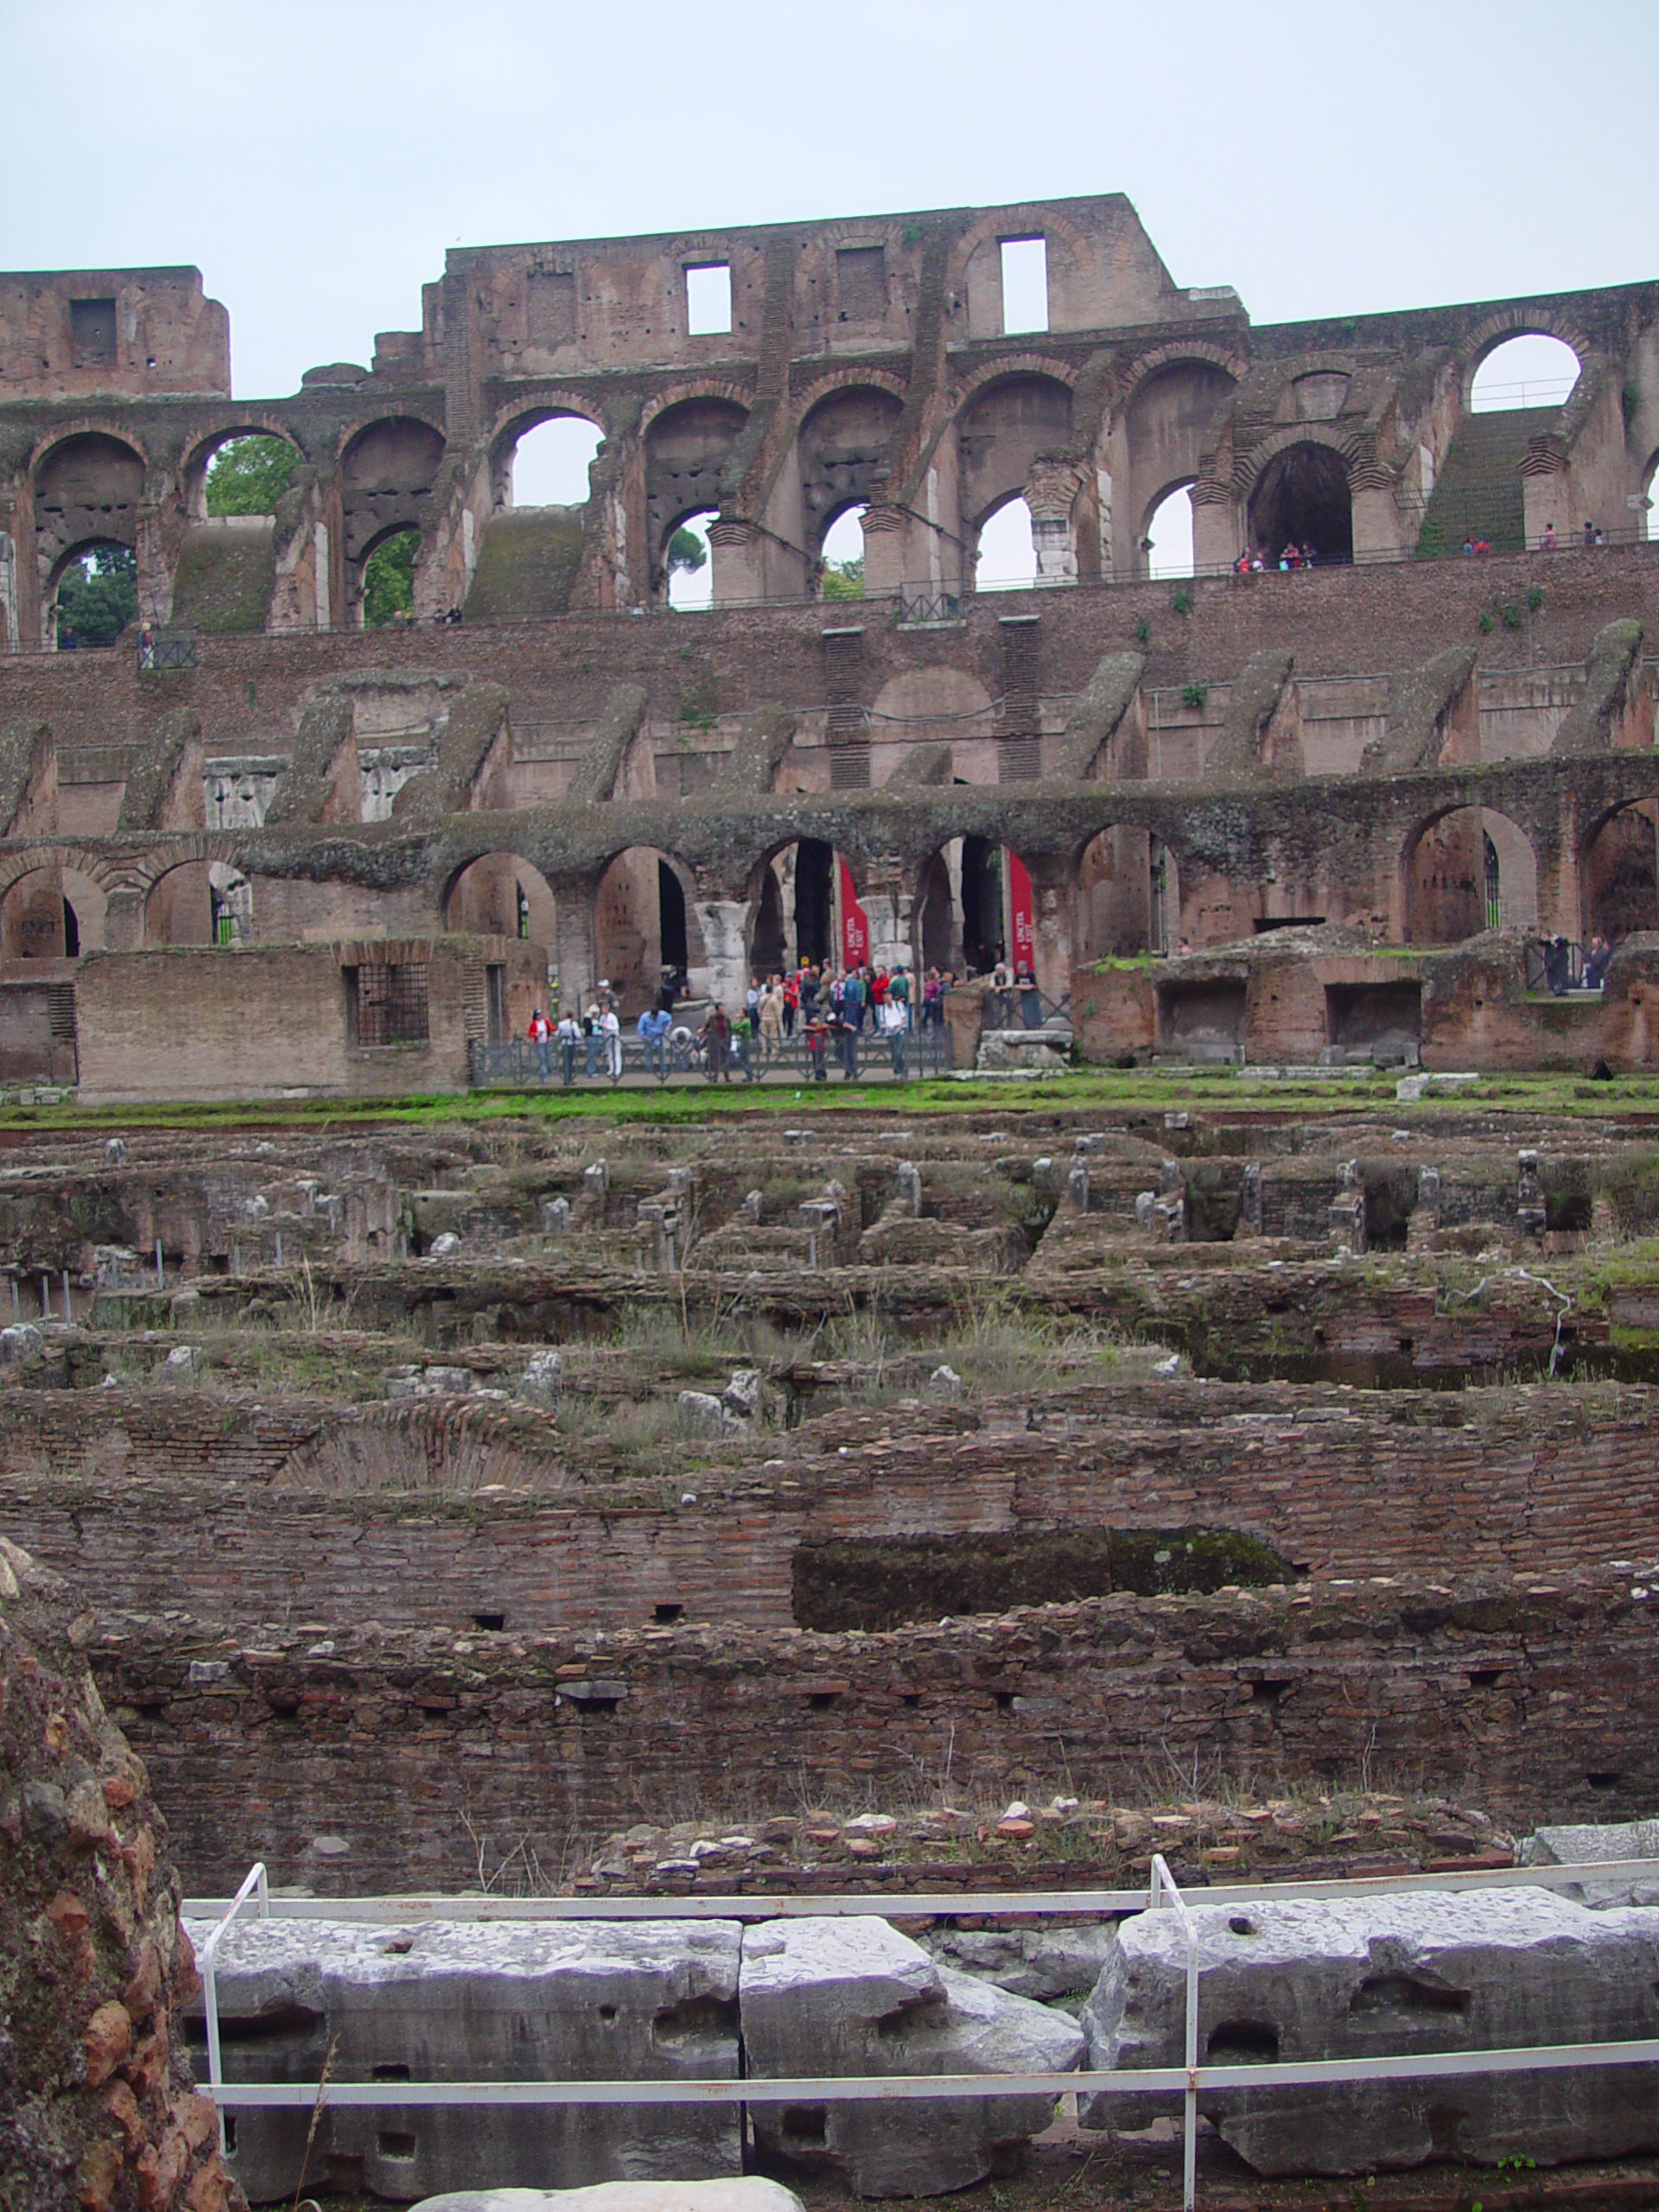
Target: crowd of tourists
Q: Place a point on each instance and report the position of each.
(823, 1010)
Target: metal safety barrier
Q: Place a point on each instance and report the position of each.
(1162, 1893)
(518, 1063)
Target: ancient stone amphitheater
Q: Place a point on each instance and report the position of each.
(1203, 1409)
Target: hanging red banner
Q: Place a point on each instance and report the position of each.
(1023, 918)
(855, 923)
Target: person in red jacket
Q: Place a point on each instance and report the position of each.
(541, 1038)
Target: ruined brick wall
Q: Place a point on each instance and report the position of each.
(1335, 621)
(255, 1020)
(351, 1758)
(95, 1973)
(243, 1516)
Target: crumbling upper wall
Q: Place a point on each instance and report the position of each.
(72, 333)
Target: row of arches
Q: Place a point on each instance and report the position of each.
(1010, 507)
(970, 901)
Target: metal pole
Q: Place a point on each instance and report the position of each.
(161, 1271)
(1162, 1889)
(66, 1314)
(279, 1248)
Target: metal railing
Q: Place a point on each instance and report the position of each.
(919, 607)
(1556, 965)
(256, 1882)
(1162, 1893)
(516, 1063)
(1022, 1006)
(166, 649)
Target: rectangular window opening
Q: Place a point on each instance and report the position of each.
(1024, 284)
(389, 1003)
(92, 334)
(709, 299)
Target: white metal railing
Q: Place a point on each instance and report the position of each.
(1161, 1894)
(256, 1882)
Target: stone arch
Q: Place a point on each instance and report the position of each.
(387, 469)
(793, 894)
(1070, 258)
(500, 894)
(1159, 434)
(88, 487)
(935, 705)
(1618, 872)
(687, 447)
(1300, 491)
(1448, 879)
(1519, 321)
(179, 905)
(515, 423)
(198, 453)
(839, 446)
(1127, 897)
(1009, 422)
(51, 911)
(647, 937)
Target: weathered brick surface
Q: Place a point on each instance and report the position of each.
(243, 1518)
(406, 1748)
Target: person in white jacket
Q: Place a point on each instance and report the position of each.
(610, 1030)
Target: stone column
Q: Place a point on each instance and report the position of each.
(1051, 891)
(1544, 490)
(738, 552)
(723, 973)
(573, 910)
(1052, 491)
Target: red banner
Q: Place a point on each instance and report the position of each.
(1023, 918)
(855, 923)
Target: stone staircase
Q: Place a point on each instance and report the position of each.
(1478, 493)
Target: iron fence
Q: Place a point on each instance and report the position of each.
(1186, 2082)
(869, 1056)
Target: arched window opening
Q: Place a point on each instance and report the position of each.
(501, 894)
(844, 555)
(1535, 371)
(1470, 870)
(247, 475)
(1167, 543)
(795, 909)
(179, 909)
(389, 580)
(52, 914)
(1127, 896)
(689, 563)
(1620, 872)
(549, 466)
(95, 597)
(1300, 511)
(230, 897)
(1007, 559)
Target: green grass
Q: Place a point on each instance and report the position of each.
(1561, 1092)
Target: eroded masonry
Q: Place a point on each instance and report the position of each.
(547, 777)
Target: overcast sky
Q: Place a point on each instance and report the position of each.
(315, 159)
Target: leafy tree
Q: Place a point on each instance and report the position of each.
(249, 476)
(844, 579)
(686, 553)
(97, 596)
(389, 580)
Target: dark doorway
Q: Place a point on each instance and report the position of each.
(1302, 499)
(981, 904)
(670, 910)
(815, 906)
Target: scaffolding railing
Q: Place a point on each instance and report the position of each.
(1188, 2080)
